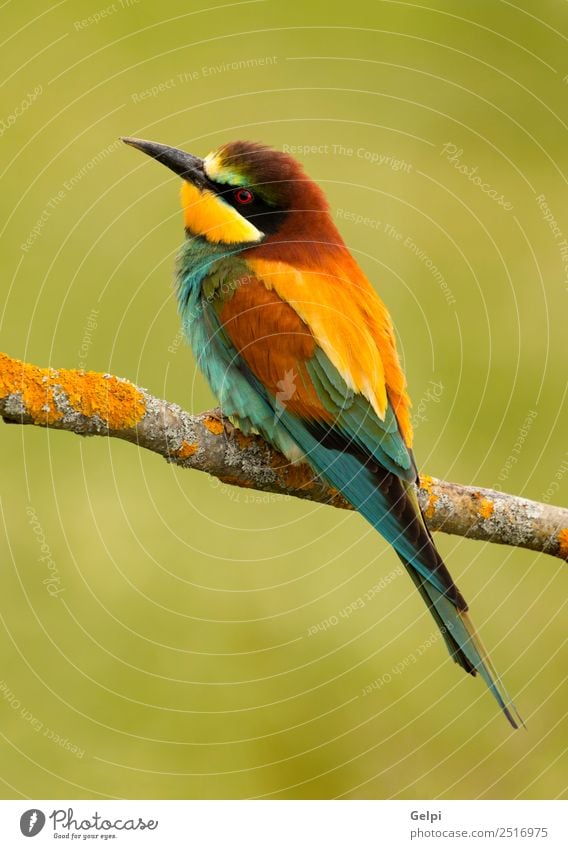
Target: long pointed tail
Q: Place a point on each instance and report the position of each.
(464, 643)
(390, 504)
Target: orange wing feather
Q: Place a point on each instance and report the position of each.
(275, 343)
(350, 323)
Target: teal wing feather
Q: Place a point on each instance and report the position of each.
(355, 418)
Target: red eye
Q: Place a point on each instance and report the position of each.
(244, 196)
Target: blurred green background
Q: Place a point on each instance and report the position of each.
(178, 658)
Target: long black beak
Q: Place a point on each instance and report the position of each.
(185, 164)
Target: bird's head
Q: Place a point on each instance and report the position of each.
(243, 193)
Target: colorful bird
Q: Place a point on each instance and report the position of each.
(297, 345)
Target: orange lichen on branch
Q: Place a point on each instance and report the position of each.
(563, 543)
(486, 508)
(186, 449)
(427, 483)
(117, 402)
(213, 425)
(33, 385)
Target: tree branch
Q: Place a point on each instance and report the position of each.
(89, 404)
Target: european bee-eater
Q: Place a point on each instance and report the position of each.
(297, 345)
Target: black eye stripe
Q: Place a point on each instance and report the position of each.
(251, 204)
(265, 216)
